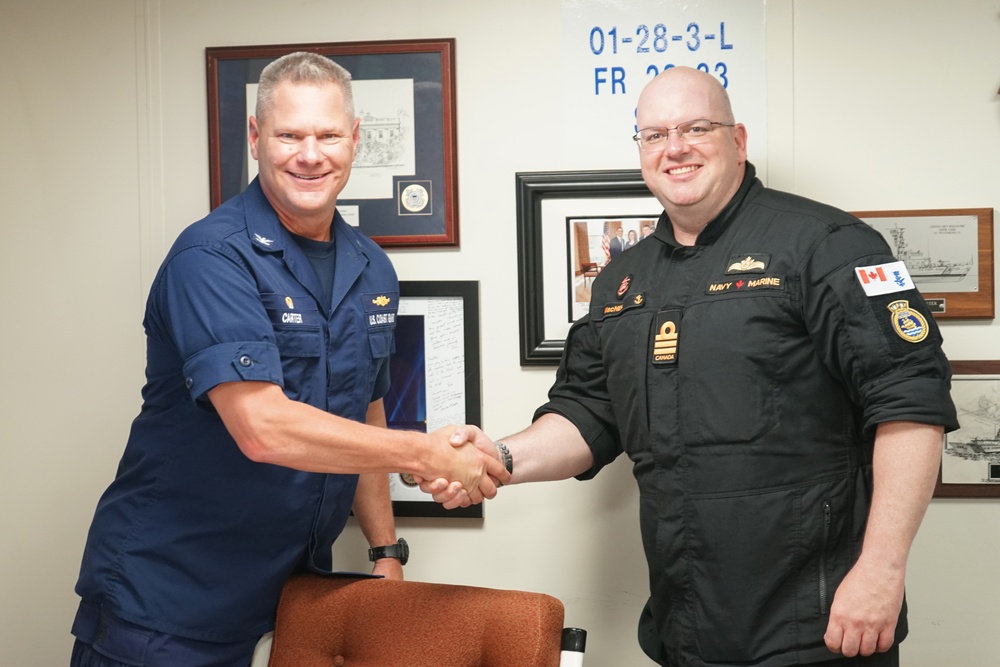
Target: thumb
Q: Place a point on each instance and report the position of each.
(458, 437)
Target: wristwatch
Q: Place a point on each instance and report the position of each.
(400, 550)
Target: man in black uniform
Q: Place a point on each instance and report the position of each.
(779, 385)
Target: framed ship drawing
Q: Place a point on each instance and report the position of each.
(970, 457)
(948, 253)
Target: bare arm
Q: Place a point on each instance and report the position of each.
(866, 605)
(550, 449)
(268, 427)
(373, 507)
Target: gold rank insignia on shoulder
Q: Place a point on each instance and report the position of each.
(749, 263)
(381, 300)
(908, 324)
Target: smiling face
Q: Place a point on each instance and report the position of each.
(692, 182)
(304, 147)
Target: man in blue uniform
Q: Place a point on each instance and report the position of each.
(269, 328)
(779, 385)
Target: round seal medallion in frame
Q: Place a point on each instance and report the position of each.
(414, 198)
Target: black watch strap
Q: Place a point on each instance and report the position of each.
(400, 550)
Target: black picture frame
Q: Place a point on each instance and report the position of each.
(978, 419)
(436, 375)
(539, 347)
(421, 208)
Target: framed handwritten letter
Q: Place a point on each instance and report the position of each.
(435, 375)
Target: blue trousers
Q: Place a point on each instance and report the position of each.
(105, 641)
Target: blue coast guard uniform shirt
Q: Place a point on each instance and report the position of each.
(192, 538)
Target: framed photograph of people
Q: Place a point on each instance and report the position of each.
(948, 253)
(970, 458)
(561, 221)
(592, 242)
(402, 190)
(435, 376)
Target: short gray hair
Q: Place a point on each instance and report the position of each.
(302, 67)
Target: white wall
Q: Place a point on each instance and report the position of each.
(70, 299)
(104, 161)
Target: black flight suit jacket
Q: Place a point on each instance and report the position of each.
(744, 377)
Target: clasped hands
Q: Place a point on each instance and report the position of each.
(471, 471)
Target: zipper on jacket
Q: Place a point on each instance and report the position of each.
(827, 519)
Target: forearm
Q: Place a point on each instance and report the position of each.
(550, 449)
(866, 606)
(270, 428)
(373, 509)
(905, 465)
(372, 504)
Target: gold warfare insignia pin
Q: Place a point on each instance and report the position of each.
(289, 302)
(908, 324)
(752, 263)
(381, 300)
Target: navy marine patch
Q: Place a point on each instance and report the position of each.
(745, 284)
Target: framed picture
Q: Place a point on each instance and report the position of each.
(948, 253)
(402, 190)
(435, 376)
(970, 458)
(592, 241)
(555, 247)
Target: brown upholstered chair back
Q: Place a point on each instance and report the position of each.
(346, 622)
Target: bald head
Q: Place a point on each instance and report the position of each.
(680, 88)
(692, 176)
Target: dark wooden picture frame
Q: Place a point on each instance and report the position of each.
(925, 268)
(421, 206)
(977, 439)
(436, 375)
(539, 347)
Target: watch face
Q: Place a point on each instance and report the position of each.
(403, 550)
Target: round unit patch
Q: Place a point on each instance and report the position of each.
(909, 324)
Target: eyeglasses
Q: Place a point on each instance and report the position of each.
(692, 132)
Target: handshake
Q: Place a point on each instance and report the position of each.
(468, 467)
(464, 466)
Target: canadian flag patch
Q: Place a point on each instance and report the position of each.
(884, 278)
